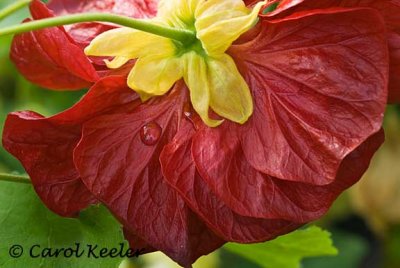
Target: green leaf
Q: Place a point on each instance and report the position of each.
(26, 222)
(352, 247)
(392, 243)
(287, 251)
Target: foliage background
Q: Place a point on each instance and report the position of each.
(363, 239)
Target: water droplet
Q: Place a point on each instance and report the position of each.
(150, 133)
(188, 110)
(188, 114)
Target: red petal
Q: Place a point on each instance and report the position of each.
(220, 160)
(83, 33)
(45, 150)
(45, 145)
(131, 8)
(137, 244)
(319, 92)
(50, 58)
(180, 171)
(125, 174)
(388, 9)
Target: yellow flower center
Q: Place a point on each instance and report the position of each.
(210, 74)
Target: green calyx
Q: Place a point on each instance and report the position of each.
(194, 45)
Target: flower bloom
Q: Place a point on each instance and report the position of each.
(210, 74)
(318, 85)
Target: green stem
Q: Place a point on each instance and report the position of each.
(180, 35)
(14, 178)
(13, 8)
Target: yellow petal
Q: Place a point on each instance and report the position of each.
(225, 19)
(230, 95)
(178, 13)
(128, 43)
(154, 75)
(196, 78)
(117, 62)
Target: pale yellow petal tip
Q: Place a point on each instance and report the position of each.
(88, 50)
(116, 63)
(257, 8)
(254, 13)
(92, 49)
(242, 119)
(246, 114)
(211, 122)
(240, 115)
(144, 96)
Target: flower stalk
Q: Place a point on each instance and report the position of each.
(14, 178)
(181, 35)
(9, 10)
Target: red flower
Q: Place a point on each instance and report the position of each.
(388, 9)
(318, 80)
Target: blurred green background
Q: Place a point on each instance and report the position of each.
(364, 221)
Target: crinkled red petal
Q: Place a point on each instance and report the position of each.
(45, 145)
(388, 9)
(123, 171)
(220, 160)
(83, 33)
(45, 148)
(266, 201)
(136, 243)
(50, 57)
(319, 90)
(54, 57)
(181, 173)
